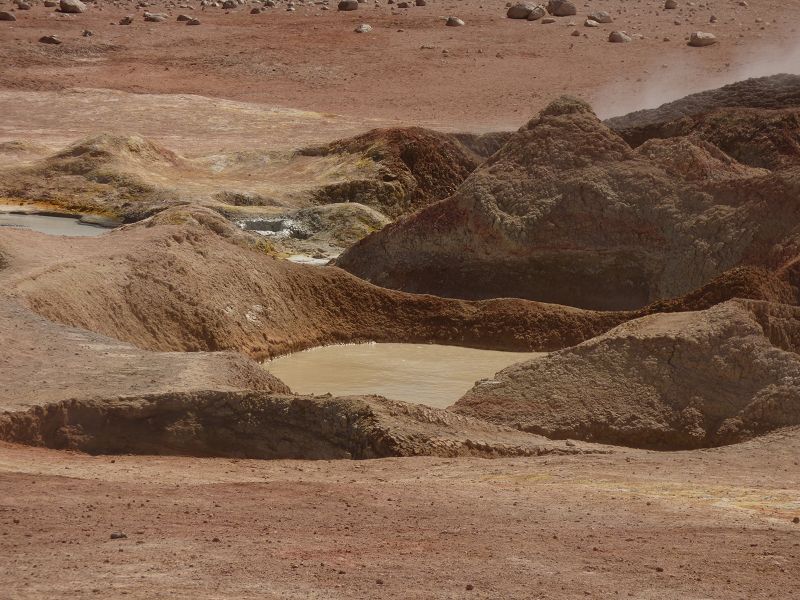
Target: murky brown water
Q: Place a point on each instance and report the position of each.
(425, 374)
(51, 225)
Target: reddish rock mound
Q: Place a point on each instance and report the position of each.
(567, 212)
(756, 137)
(771, 92)
(684, 380)
(416, 167)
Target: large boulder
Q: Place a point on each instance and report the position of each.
(561, 8)
(523, 10)
(666, 381)
(600, 16)
(72, 6)
(698, 39)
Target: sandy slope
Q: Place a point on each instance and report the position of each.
(490, 74)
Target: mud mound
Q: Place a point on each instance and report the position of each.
(749, 283)
(695, 160)
(260, 425)
(759, 138)
(677, 381)
(567, 212)
(103, 174)
(416, 167)
(186, 281)
(94, 154)
(79, 390)
(772, 92)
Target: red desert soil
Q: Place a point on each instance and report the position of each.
(490, 74)
(667, 526)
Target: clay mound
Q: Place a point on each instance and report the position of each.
(77, 390)
(759, 138)
(677, 381)
(251, 424)
(771, 92)
(416, 167)
(751, 283)
(695, 160)
(567, 212)
(89, 156)
(189, 280)
(119, 175)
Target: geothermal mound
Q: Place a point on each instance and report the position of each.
(772, 92)
(393, 171)
(677, 381)
(189, 280)
(567, 212)
(416, 167)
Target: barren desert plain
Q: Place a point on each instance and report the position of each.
(400, 299)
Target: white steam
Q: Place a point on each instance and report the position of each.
(670, 81)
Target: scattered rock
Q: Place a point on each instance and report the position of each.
(229, 4)
(118, 535)
(7, 16)
(183, 18)
(72, 6)
(87, 33)
(50, 3)
(548, 20)
(619, 37)
(363, 28)
(454, 22)
(193, 22)
(348, 5)
(420, 2)
(601, 16)
(671, 4)
(591, 23)
(155, 17)
(126, 20)
(23, 6)
(49, 39)
(700, 39)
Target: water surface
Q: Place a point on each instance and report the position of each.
(68, 226)
(422, 373)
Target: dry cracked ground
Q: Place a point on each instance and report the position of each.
(272, 181)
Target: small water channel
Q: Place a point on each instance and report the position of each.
(422, 373)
